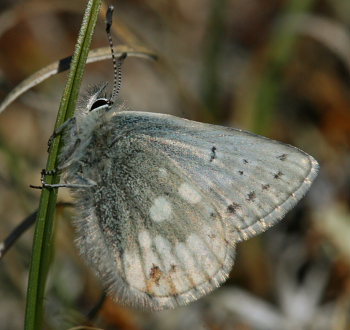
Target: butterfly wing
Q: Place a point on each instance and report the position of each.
(176, 198)
(251, 180)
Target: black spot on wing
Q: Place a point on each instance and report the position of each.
(282, 157)
(251, 196)
(233, 207)
(265, 186)
(213, 153)
(277, 175)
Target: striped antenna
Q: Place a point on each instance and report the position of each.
(117, 62)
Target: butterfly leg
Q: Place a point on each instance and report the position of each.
(86, 183)
(71, 128)
(69, 124)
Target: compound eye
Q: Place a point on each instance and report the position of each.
(99, 103)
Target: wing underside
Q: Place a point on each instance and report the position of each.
(183, 194)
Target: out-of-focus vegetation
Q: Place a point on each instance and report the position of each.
(276, 67)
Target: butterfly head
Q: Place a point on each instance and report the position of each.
(97, 99)
(99, 103)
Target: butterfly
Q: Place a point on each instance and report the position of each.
(162, 201)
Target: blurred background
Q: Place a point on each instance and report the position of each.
(280, 68)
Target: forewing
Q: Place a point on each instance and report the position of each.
(250, 180)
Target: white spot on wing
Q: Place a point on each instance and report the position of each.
(151, 268)
(171, 265)
(189, 194)
(145, 240)
(193, 271)
(133, 270)
(160, 210)
(204, 256)
(164, 250)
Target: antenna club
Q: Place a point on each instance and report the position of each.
(109, 18)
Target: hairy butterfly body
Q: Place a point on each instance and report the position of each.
(162, 201)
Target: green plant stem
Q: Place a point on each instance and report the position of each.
(43, 236)
(260, 106)
(210, 82)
